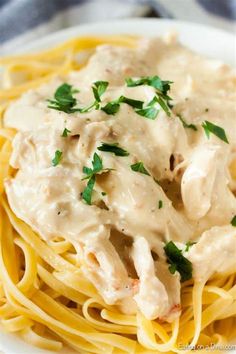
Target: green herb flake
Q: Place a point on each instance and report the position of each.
(97, 163)
(114, 106)
(57, 158)
(114, 149)
(65, 133)
(162, 87)
(97, 167)
(188, 245)
(151, 110)
(160, 204)
(154, 81)
(99, 88)
(103, 193)
(139, 167)
(88, 171)
(111, 107)
(164, 105)
(233, 221)
(148, 112)
(87, 193)
(91, 176)
(211, 128)
(185, 124)
(178, 262)
(131, 102)
(64, 100)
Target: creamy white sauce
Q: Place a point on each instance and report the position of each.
(117, 235)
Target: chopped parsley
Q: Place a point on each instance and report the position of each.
(87, 193)
(131, 102)
(138, 167)
(104, 193)
(160, 204)
(233, 221)
(114, 149)
(188, 245)
(178, 262)
(111, 107)
(164, 103)
(114, 106)
(211, 128)
(57, 158)
(154, 81)
(99, 87)
(65, 133)
(149, 112)
(162, 87)
(97, 166)
(64, 100)
(185, 124)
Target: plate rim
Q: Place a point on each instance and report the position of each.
(67, 32)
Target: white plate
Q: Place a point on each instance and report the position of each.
(205, 40)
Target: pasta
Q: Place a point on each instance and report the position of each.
(44, 294)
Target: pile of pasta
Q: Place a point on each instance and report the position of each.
(44, 296)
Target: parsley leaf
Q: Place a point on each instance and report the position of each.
(149, 111)
(164, 105)
(214, 129)
(233, 221)
(99, 87)
(97, 167)
(88, 171)
(154, 81)
(113, 148)
(87, 193)
(97, 163)
(65, 133)
(162, 87)
(131, 102)
(188, 245)
(114, 106)
(64, 100)
(160, 204)
(91, 176)
(185, 124)
(64, 91)
(178, 262)
(57, 158)
(111, 107)
(138, 167)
